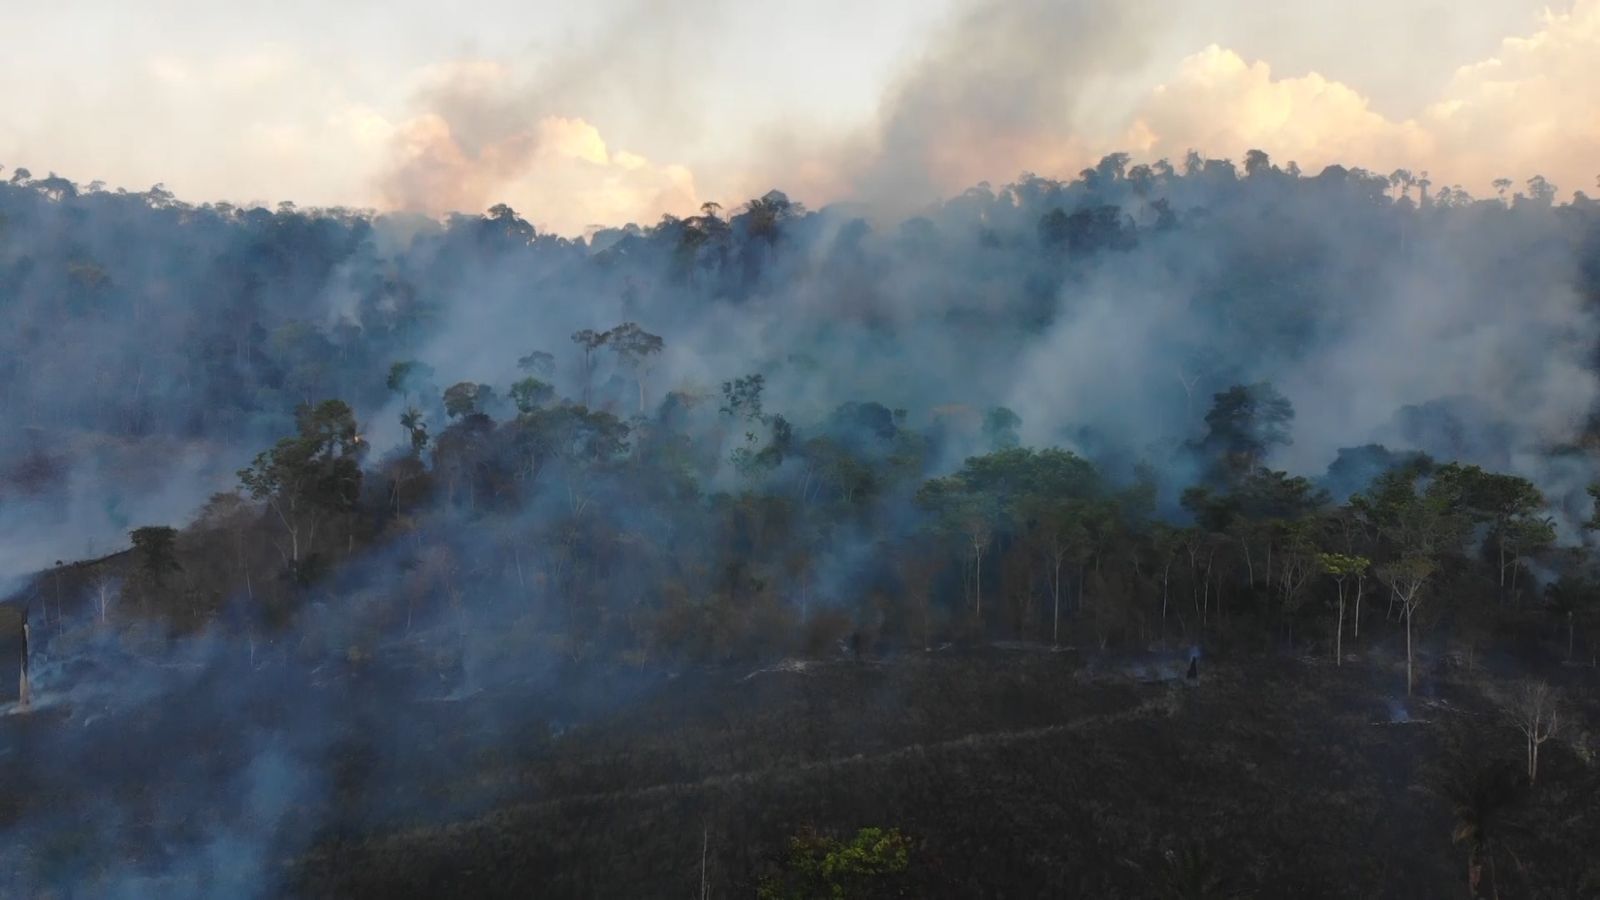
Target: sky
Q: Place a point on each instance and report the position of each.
(580, 115)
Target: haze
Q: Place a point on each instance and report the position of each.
(622, 112)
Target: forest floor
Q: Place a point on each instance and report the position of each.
(1014, 772)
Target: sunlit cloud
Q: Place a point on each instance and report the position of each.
(480, 140)
(1002, 88)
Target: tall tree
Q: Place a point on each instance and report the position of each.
(1534, 708)
(636, 349)
(311, 476)
(588, 341)
(1407, 576)
(1245, 423)
(1341, 567)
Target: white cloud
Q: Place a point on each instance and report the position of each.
(1531, 108)
(480, 139)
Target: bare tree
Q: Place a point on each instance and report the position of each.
(105, 588)
(1533, 707)
(1340, 567)
(24, 689)
(1406, 578)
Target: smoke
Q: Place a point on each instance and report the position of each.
(481, 131)
(1007, 88)
(1000, 88)
(154, 347)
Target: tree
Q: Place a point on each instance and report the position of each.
(741, 397)
(1508, 504)
(588, 341)
(155, 557)
(1541, 191)
(416, 428)
(105, 588)
(530, 393)
(1534, 708)
(1341, 567)
(1166, 542)
(1481, 800)
(1065, 539)
(1297, 562)
(310, 476)
(464, 398)
(1407, 576)
(410, 378)
(766, 215)
(1257, 163)
(870, 864)
(1190, 872)
(1569, 598)
(635, 349)
(1402, 180)
(1000, 428)
(538, 363)
(1245, 423)
(503, 224)
(967, 514)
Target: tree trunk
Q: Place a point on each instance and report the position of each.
(1165, 580)
(1409, 677)
(24, 690)
(705, 844)
(977, 582)
(1338, 631)
(1055, 625)
(1356, 625)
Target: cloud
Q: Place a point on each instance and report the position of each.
(479, 140)
(1523, 110)
(260, 126)
(1532, 107)
(1222, 105)
(1051, 88)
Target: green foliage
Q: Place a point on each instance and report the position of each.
(1245, 423)
(409, 377)
(1340, 566)
(416, 428)
(155, 549)
(1000, 428)
(311, 476)
(869, 865)
(318, 467)
(530, 393)
(741, 397)
(466, 398)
